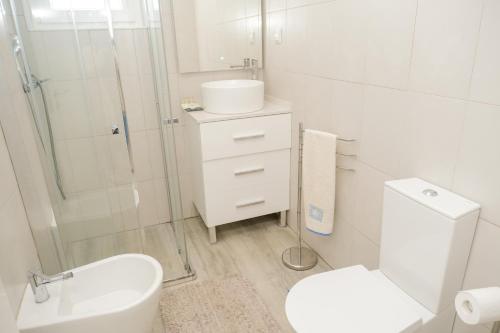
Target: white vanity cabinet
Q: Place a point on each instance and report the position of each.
(241, 164)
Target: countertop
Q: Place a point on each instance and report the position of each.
(271, 107)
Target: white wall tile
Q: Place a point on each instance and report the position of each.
(140, 153)
(15, 238)
(85, 165)
(369, 199)
(122, 167)
(7, 317)
(147, 205)
(104, 158)
(149, 102)
(275, 41)
(62, 55)
(272, 5)
(484, 269)
(133, 102)
(335, 249)
(318, 113)
(126, 51)
(190, 85)
(276, 84)
(446, 34)
(486, 75)
(347, 41)
(385, 129)
(318, 45)
(296, 23)
(345, 191)
(102, 53)
(298, 3)
(364, 251)
(7, 178)
(478, 163)
(390, 27)
(142, 51)
(348, 101)
(162, 201)
(437, 124)
(129, 206)
(155, 154)
(72, 108)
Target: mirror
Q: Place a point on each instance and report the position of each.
(216, 35)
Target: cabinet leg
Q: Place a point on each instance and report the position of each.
(283, 218)
(212, 235)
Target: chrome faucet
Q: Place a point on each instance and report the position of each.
(39, 281)
(254, 68)
(249, 64)
(246, 64)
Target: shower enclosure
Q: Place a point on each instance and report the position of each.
(95, 79)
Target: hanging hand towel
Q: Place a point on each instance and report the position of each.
(318, 180)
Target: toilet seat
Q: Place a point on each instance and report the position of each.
(349, 300)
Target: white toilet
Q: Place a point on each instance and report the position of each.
(427, 234)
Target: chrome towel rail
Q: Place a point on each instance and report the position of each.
(346, 155)
(346, 140)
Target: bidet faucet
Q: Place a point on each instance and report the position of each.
(39, 281)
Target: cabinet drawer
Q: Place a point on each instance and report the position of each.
(247, 202)
(249, 170)
(245, 136)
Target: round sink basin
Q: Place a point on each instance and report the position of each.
(233, 96)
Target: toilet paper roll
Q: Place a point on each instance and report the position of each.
(477, 306)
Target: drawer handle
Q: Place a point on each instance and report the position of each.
(249, 136)
(248, 171)
(250, 203)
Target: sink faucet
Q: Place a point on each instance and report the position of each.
(39, 281)
(249, 64)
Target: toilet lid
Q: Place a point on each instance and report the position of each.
(348, 300)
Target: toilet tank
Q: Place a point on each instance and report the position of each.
(427, 234)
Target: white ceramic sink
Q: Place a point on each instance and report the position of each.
(115, 295)
(233, 96)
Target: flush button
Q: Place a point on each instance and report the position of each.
(430, 193)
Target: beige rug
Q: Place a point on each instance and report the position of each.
(227, 305)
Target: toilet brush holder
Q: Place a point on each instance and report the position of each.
(299, 258)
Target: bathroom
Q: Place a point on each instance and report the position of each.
(105, 176)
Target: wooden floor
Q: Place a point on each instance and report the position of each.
(250, 248)
(253, 249)
(157, 241)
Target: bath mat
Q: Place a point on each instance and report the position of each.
(229, 305)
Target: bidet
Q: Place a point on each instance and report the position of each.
(119, 294)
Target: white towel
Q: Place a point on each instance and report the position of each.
(318, 180)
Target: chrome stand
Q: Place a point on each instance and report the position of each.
(297, 257)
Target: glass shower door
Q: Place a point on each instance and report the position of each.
(153, 14)
(112, 172)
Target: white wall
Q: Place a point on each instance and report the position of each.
(17, 249)
(417, 83)
(7, 319)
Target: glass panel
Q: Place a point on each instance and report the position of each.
(95, 103)
(167, 119)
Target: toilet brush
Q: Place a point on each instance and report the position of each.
(299, 258)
